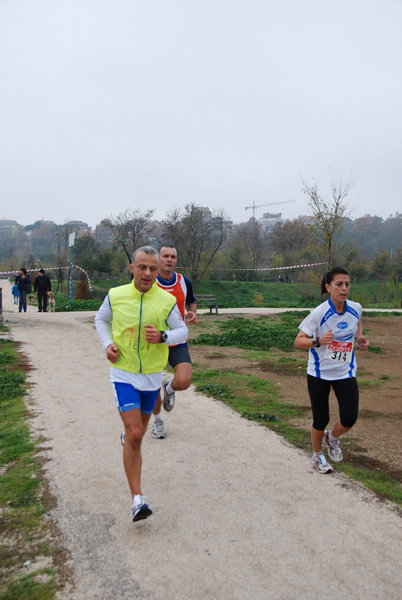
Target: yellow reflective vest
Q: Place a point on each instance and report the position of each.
(131, 311)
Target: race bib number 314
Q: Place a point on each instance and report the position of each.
(340, 351)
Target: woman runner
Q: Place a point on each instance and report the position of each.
(328, 333)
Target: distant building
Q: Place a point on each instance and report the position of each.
(306, 219)
(79, 227)
(6, 225)
(38, 224)
(269, 220)
(204, 210)
(104, 235)
(210, 218)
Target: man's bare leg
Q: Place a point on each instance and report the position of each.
(181, 381)
(135, 425)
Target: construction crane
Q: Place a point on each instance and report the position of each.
(254, 206)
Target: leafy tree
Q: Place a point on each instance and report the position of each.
(103, 261)
(86, 252)
(290, 240)
(381, 266)
(390, 234)
(14, 244)
(397, 264)
(357, 269)
(197, 235)
(42, 238)
(328, 216)
(237, 260)
(229, 263)
(355, 262)
(255, 242)
(365, 232)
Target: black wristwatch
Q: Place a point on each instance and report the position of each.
(163, 336)
(316, 342)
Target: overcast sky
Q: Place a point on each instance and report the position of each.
(113, 104)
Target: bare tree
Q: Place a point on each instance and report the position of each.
(131, 228)
(197, 236)
(328, 215)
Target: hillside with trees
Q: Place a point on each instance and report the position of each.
(211, 247)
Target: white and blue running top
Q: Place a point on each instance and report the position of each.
(337, 359)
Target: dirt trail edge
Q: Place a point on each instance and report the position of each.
(238, 513)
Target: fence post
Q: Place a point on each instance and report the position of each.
(1, 305)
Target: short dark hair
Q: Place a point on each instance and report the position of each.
(167, 246)
(329, 275)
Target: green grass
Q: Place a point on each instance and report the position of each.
(273, 294)
(273, 331)
(371, 294)
(369, 383)
(7, 353)
(63, 304)
(376, 349)
(244, 393)
(232, 294)
(22, 524)
(28, 588)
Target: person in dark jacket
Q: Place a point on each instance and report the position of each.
(42, 286)
(23, 281)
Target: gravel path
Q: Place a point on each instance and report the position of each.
(239, 514)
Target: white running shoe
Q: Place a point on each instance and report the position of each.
(140, 509)
(168, 399)
(333, 448)
(158, 429)
(321, 465)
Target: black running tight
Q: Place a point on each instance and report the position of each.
(347, 394)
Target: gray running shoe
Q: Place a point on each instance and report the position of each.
(321, 465)
(140, 510)
(333, 448)
(158, 429)
(168, 399)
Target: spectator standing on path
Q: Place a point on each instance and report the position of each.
(136, 323)
(42, 286)
(179, 356)
(328, 332)
(23, 281)
(15, 293)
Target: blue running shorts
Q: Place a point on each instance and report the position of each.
(127, 397)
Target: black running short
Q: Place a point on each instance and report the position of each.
(179, 354)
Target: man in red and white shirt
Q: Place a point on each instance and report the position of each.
(179, 357)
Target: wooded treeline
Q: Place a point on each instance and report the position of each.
(209, 246)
